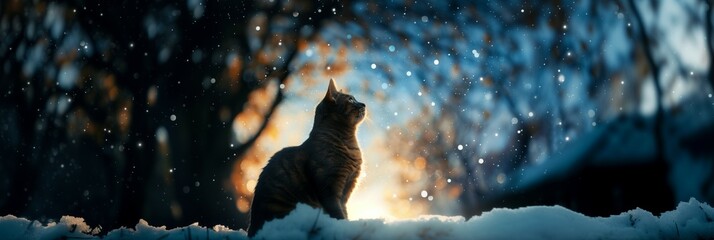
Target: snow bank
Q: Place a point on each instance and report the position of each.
(69, 227)
(690, 220)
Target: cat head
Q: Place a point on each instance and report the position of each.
(340, 107)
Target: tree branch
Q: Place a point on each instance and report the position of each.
(710, 42)
(659, 116)
(284, 71)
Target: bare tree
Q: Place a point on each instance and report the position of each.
(145, 70)
(659, 114)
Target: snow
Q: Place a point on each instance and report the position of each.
(690, 220)
(69, 227)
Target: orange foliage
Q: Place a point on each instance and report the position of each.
(79, 124)
(151, 95)
(487, 81)
(235, 66)
(486, 115)
(124, 117)
(440, 184)
(246, 170)
(420, 163)
(271, 131)
(109, 85)
(342, 52)
(455, 71)
(338, 68)
(14, 6)
(259, 102)
(263, 57)
(359, 44)
(306, 69)
(245, 174)
(323, 48)
(248, 122)
(302, 45)
(243, 205)
(454, 192)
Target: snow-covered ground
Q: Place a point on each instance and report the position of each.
(690, 220)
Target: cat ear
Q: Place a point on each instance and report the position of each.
(331, 91)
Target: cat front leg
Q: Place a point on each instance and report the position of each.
(333, 207)
(349, 187)
(332, 193)
(347, 191)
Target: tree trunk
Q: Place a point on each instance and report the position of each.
(659, 115)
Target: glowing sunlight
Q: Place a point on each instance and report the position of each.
(378, 192)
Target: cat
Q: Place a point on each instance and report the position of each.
(321, 172)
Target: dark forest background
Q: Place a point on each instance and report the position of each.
(121, 110)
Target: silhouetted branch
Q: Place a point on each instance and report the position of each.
(710, 42)
(659, 115)
(249, 143)
(283, 72)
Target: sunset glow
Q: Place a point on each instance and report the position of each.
(378, 194)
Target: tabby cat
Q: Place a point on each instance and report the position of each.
(322, 172)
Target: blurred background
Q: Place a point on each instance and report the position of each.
(168, 110)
